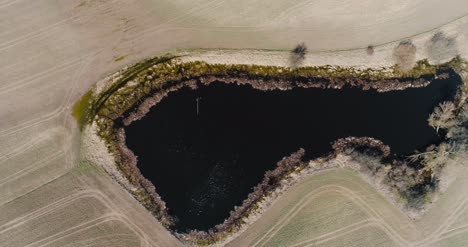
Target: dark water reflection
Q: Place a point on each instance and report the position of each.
(202, 165)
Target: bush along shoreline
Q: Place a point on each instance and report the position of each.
(130, 93)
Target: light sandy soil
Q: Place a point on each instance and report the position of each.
(53, 51)
(338, 208)
(82, 208)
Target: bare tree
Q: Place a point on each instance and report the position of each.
(443, 116)
(298, 54)
(435, 157)
(405, 55)
(441, 48)
(370, 50)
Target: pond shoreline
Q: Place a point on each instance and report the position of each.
(113, 133)
(287, 166)
(262, 84)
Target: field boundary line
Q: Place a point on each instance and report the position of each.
(60, 109)
(347, 232)
(50, 208)
(8, 3)
(74, 229)
(339, 189)
(44, 73)
(442, 229)
(32, 167)
(25, 37)
(97, 238)
(339, 232)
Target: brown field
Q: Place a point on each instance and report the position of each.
(84, 206)
(52, 52)
(338, 208)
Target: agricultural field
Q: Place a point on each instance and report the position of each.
(81, 208)
(53, 52)
(343, 210)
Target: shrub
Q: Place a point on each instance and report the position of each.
(370, 50)
(405, 55)
(441, 48)
(298, 54)
(443, 116)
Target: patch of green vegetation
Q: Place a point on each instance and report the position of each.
(460, 66)
(128, 75)
(152, 74)
(86, 167)
(120, 58)
(82, 4)
(81, 109)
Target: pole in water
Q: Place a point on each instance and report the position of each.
(198, 107)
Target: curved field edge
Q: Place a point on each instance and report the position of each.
(141, 79)
(118, 94)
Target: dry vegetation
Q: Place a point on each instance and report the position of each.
(298, 55)
(336, 207)
(414, 185)
(405, 55)
(443, 116)
(370, 50)
(54, 51)
(441, 47)
(237, 217)
(146, 83)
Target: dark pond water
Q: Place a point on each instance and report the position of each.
(202, 165)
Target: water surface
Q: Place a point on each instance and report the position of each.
(202, 164)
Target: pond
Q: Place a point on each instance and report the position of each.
(205, 149)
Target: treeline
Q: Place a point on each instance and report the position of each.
(414, 179)
(412, 187)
